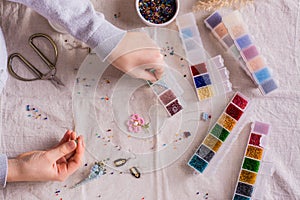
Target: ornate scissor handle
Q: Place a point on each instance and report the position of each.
(38, 51)
(28, 65)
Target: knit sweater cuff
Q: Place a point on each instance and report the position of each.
(3, 169)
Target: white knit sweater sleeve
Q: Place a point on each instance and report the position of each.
(3, 169)
(80, 19)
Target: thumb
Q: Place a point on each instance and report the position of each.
(143, 74)
(62, 150)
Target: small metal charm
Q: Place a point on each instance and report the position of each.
(120, 162)
(135, 172)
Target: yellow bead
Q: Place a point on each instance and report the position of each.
(212, 142)
(254, 152)
(205, 92)
(227, 122)
(248, 177)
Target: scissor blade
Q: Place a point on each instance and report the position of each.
(59, 82)
(56, 81)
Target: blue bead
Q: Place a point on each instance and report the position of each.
(239, 197)
(243, 42)
(244, 189)
(262, 75)
(201, 81)
(268, 86)
(187, 33)
(214, 20)
(198, 163)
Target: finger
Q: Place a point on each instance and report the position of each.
(60, 151)
(65, 138)
(66, 167)
(146, 75)
(143, 74)
(62, 171)
(75, 161)
(69, 155)
(72, 137)
(61, 160)
(159, 71)
(79, 150)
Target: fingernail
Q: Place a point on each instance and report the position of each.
(72, 144)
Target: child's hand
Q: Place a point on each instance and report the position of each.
(55, 164)
(138, 56)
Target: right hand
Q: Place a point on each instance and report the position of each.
(137, 55)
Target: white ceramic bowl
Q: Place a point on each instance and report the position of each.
(153, 24)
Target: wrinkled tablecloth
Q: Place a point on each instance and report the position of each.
(275, 27)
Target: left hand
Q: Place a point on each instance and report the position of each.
(55, 164)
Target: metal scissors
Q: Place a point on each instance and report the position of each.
(50, 75)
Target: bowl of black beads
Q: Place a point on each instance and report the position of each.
(157, 12)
